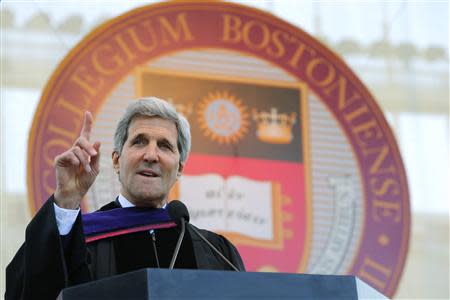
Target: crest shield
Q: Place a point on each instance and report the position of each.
(247, 172)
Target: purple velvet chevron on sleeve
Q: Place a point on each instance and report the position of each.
(103, 224)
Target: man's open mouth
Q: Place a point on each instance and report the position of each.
(148, 173)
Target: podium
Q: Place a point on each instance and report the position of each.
(205, 284)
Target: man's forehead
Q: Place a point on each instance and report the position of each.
(139, 124)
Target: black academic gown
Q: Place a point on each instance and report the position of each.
(48, 262)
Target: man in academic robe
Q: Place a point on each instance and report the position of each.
(151, 145)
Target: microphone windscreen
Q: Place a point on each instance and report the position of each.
(178, 210)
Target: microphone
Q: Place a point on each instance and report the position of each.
(177, 210)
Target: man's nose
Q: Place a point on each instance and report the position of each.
(151, 153)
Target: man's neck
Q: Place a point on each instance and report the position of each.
(124, 202)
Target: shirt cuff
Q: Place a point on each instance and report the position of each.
(65, 218)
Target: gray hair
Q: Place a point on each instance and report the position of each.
(154, 107)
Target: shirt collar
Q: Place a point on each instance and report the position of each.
(125, 203)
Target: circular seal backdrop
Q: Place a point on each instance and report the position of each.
(292, 159)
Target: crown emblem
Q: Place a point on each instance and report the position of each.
(274, 127)
(184, 109)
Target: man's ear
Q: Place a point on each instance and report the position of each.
(115, 161)
(180, 169)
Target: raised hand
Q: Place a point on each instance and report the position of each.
(77, 168)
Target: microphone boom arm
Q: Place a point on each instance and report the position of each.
(177, 247)
(214, 248)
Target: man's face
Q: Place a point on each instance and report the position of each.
(150, 162)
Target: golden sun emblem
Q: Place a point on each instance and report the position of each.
(223, 117)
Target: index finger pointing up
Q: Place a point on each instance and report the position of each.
(87, 125)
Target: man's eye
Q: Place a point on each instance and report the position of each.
(166, 146)
(138, 141)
